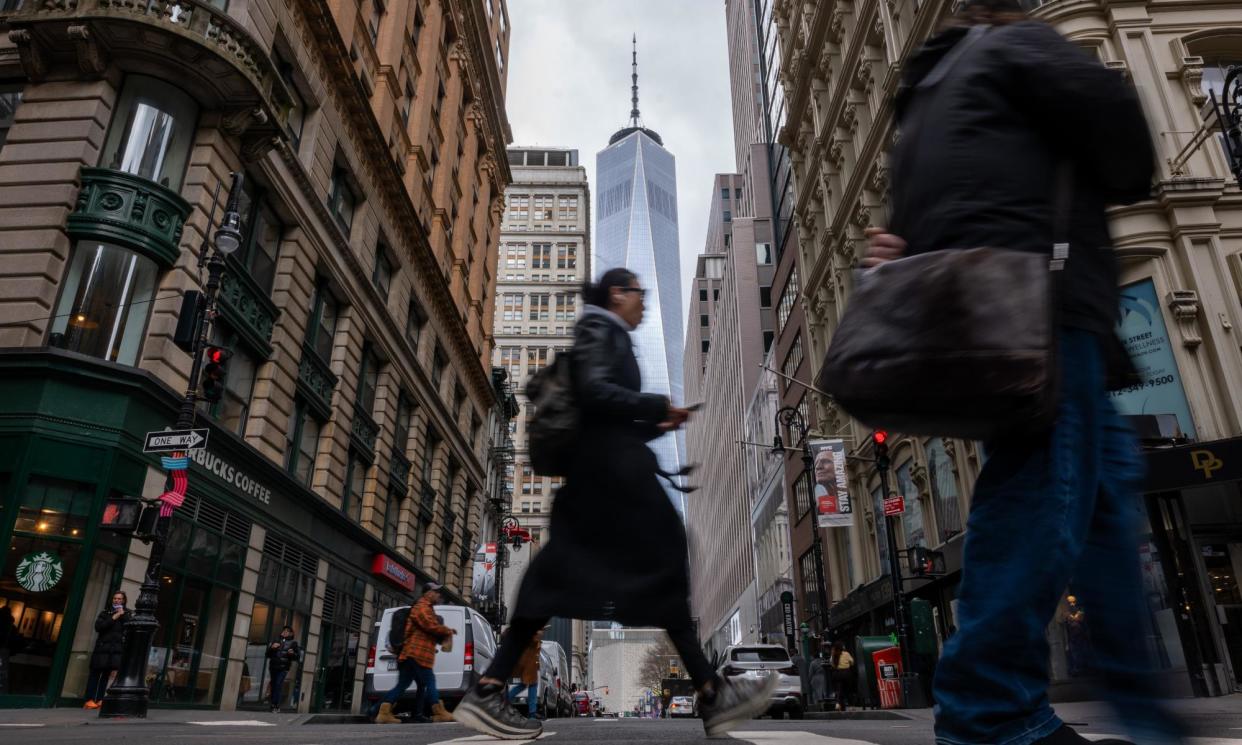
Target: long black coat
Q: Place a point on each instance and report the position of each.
(111, 641)
(618, 547)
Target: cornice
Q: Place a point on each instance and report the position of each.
(482, 59)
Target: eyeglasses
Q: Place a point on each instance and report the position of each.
(640, 290)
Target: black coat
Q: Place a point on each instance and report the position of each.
(281, 658)
(618, 547)
(977, 157)
(111, 641)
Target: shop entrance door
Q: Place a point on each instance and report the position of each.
(1222, 559)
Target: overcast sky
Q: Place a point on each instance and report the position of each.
(569, 85)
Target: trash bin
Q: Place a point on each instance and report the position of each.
(868, 684)
(887, 665)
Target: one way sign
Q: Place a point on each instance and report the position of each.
(171, 440)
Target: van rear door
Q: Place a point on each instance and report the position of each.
(450, 666)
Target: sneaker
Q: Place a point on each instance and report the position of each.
(1065, 735)
(488, 712)
(735, 702)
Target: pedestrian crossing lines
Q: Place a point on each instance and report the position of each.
(788, 737)
(488, 738)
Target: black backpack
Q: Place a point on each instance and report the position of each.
(554, 427)
(396, 632)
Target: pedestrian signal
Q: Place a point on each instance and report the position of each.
(214, 372)
(879, 439)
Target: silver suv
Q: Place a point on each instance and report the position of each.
(758, 661)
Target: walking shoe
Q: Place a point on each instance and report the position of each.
(1067, 736)
(385, 715)
(440, 714)
(735, 702)
(485, 710)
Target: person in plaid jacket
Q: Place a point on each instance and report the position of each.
(417, 658)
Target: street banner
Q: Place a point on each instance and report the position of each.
(483, 580)
(833, 506)
(1143, 332)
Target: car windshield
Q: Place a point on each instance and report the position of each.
(760, 654)
(681, 699)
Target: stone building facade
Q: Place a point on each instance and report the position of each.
(1179, 252)
(347, 459)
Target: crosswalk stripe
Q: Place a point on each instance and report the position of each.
(785, 736)
(234, 723)
(489, 738)
(1093, 736)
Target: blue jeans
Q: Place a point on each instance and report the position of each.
(1051, 511)
(277, 683)
(409, 671)
(532, 696)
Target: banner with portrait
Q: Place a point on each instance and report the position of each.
(829, 485)
(483, 579)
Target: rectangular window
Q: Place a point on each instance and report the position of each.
(703, 319)
(438, 362)
(789, 296)
(566, 256)
(802, 495)
(541, 256)
(942, 478)
(765, 297)
(768, 338)
(355, 481)
(793, 359)
(381, 274)
(512, 305)
(234, 408)
(763, 253)
(297, 109)
(810, 582)
(565, 306)
(536, 358)
(511, 360)
(392, 516)
(368, 380)
(728, 217)
(539, 302)
(703, 295)
(321, 331)
(303, 444)
(10, 98)
(415, 320)
(704, 346)
(342, 200)
(401, 427)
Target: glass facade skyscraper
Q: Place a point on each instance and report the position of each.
(636, 228)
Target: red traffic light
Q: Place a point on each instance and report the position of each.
(880, 436)
(216, 355)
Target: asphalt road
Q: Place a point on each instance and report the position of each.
(240, 731)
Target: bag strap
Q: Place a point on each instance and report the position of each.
(1062, 206)
(951, 58)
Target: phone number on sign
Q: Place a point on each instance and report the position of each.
(1151, 383)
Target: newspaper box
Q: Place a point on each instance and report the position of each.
(888, 676)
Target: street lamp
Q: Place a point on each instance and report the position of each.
(789, 417)
(1229, 113)
(129, 696)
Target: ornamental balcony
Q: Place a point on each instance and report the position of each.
(364, 432)
(248, 309)
(117, 207)
(187, 42)
(427, 502)
(316, 381)
(398, 474)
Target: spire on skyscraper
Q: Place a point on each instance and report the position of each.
(634, 120)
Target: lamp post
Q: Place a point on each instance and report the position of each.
(1229, 113)
(789, 416)
(129, 696)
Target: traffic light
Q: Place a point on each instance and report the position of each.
(880, 439)
(926, 563)
(214, 372)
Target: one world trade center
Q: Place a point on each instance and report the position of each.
(636, 228)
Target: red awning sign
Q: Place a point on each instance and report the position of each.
(387, 567)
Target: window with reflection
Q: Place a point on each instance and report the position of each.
(233, 410)
(303, 443)
(105, 301)
(355, 484)
(368, 379)
(152, 131)
(321, 329)
(10, 98)
(262, 231)
(342, 199)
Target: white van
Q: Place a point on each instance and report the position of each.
(564, 706)
(474, 646)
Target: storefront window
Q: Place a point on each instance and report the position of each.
(340, 637)
(152, 131)
(283, 597)
(198, 601)
(105, 301)
(37, 578)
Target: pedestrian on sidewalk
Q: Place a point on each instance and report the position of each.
(614, 523)
(416, 660)
(527, 671)
(1014, 137)
(106, 655)
(281, 654)
(841, 670)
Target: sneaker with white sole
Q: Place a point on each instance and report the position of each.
(736, 702)
(490, 714)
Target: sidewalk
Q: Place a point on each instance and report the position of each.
(72, 717)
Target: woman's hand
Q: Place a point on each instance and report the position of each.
(882, 247)
(676, 417)
(116, 616)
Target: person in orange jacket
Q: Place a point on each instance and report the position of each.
(417, 658)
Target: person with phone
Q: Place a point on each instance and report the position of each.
(612, 522)
(106, 655)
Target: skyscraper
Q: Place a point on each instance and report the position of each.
(636, 228)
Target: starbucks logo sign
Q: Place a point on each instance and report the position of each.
(40, 571)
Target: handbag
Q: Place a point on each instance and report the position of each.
(553, 430)
(956, 342)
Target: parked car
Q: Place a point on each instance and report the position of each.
(560, 669)
(582, 704)
(757, 661)
(682, 706)
(456, 671)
